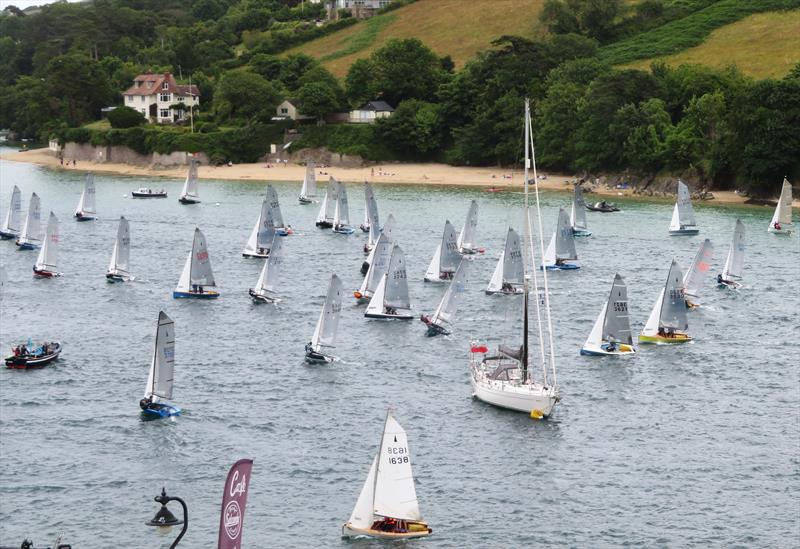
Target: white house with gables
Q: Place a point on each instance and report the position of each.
(157, 95)
(370, 112)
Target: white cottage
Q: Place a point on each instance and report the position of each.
(371, 111)
(156, 95)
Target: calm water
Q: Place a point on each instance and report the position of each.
(695, 445)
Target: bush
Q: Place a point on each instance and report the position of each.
(125, 117)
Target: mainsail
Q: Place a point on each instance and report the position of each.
(309, 189)
(197, 270)
(48, 254)
(673, 302)
(783, 211)
(577, 217)
(396, 291)
(455, 292)
(341, 216)
(14, 216)
(328, 323)
(683, 214)
(263, 231)
(87, 205)
(616, 325)
(379, 264)
(162, 367)
(32, 229)
(562, 243)
(275, 207)
(693, 281)
(466, 238)
(735, 259)
(120, 257)
(371, 213)
(328, 205)
(190, 185)
(394, 494)
(270, 272)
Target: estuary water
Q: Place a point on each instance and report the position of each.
(688, 446)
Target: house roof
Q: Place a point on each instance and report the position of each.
(378, 106)
(150, 84)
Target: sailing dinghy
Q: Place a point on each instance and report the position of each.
(118, 268)
(668, 322)
(189, 193)
(371, 222)
(683, 222)
(611, 333)
(327, 325)
(441, 320)
(391, 299)
(31, 235)
(326, 209)
(197, 273)
(562, 246)
(577, 215)
(382, 252)
(466, 238)
(265, 290)
(309, 190)
(281, 229)
(341, 214)
(504, 378)
(445, 258)
(386, 230)
(45, 266)
(387, 506)
(158, 391)
(507, 277)
(261, 237)
(782, 218)
(693, 280)
(11, 225)
(732, 273)
(87, 209)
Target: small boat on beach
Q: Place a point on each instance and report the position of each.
(118, 268)
(46, 263)
(309, 190)
(732, 272)
(683, 222)
(158, 391)
(87, 209)
(281, 229)
(781, 222)
(189, 193)
(668, 323)
(326, 209)
(387, 230)
(28, 356)
(562, 246)
(30, 237)
(381, 254)
(466, 238)
(602, 206)
(577, 215)
(507, 277)
(147, 192)
(327, 325)
(696, 274)
(265, 290)
(11, 225)
(341, 214)
(391, 299)
(197, 274)
(261, 237)
(440, 321)
(611, 333)
(445, 258)
(387, 506)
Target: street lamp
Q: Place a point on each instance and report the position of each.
(165, 520)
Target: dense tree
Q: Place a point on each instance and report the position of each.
(594, 18)
(245, 96)
(77, 89)
(266, 65)
(317, 99)
(360, 82)
(415, 128)
(125, 117)
(293, 68)
(406, 69)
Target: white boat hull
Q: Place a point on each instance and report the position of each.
(531, 398)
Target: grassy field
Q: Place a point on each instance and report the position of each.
(762, 45)
(458, 28)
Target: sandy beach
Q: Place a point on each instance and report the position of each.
(412, 174)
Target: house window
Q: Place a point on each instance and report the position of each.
(142, 96)
(164, 113)
(165, 86)
(284, 110)
(165, 97)
(129, 98)
(149, 84)
(181, 98)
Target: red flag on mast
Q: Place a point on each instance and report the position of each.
(234, 499)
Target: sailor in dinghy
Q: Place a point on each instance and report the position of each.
(326, 210)
(466, 238)
(265, 290)
(281, 229)
(261, 237)
(309, 190)
(668, 323)
(197, 275)
(440, 320)
(562, 246)
(380, 255)
(732, 272)
(327, 325)
(507, 277)
(445, 258)
(30, 237)
(341, 214)
(86, 210)
(11, 225)
(118, 268)
(683, 222)
(189, 193)
(781, 222)
(611, 333)
(387, 506)
(158, 390)
(391, 299)
(45, 266)
(387, 230)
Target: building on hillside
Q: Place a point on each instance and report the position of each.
(290, 108)
(371, 111)
(160, 98)
(361, 9)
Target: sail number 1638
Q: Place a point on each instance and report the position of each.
(397, 455)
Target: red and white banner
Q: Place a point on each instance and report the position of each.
(234, 500)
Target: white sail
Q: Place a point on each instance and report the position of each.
(48, 254)
(673, 301)
(11, 225)
(446, 257)
(162, 367)
(190, 185)
(309, 189)
(433, 267)
(394, 494)
(616, 325)
(120, 257)
(595, 339)
(549, 257)
(376, 304)
(683, 209)
(263, 232)
(783, 211)
(496, 282)
(565, 243)
(466, 238)
(577, 216)
(197, 270)
(328, 205)
(371, 214)
(693, 281)
(270, 272)
(87, 205)
(513, 268)
(275, 208)
(341, 216)
(328, 323)
(362, 515)
(652, 324)
(455, 292)
(379, 264)
(675, 222)
(396, 290)
(32, 229)
(735, 259)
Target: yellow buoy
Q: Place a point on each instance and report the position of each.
(536, 414)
